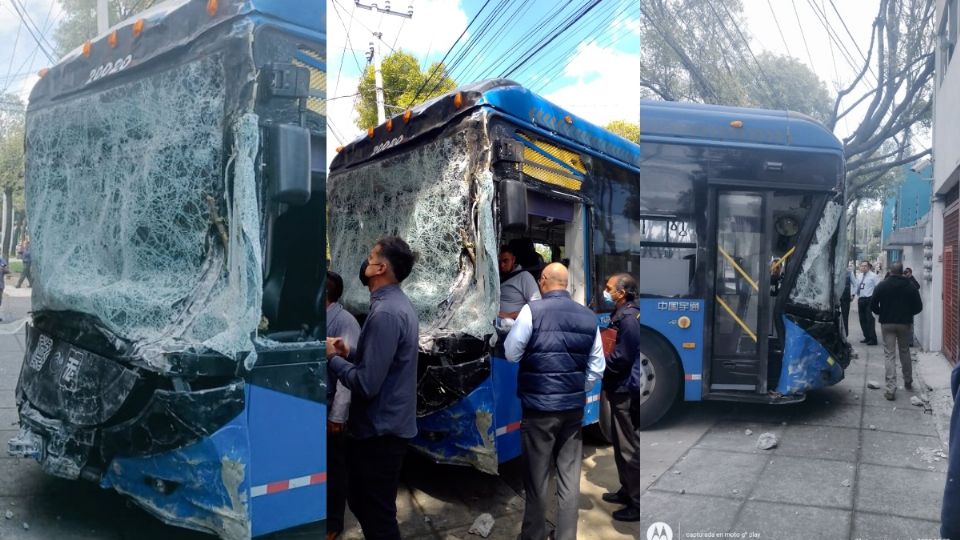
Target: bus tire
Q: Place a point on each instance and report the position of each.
(605, 424)
(663, 379)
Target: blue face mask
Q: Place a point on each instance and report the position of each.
(607, 297)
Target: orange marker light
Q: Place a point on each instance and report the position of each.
(43, 72)
(370, 132)
(339, 149)
(458, 100)
(212, 6)
(389, 125)
(568, 119)
(406, 115)
(736, 124)
(87, 49)
(138, 28)
(112, 39)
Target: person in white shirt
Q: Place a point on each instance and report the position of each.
(557, 343)
(866, 282)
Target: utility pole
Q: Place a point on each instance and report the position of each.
(102, 17)
(375, 55)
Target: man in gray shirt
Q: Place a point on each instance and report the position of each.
(383, 383)
(517, 286)
(340, 324)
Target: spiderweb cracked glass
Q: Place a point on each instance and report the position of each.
(815, 279)
(427, 196)
(117, 185)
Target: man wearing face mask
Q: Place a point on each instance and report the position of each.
(382, 380)
(623, 380)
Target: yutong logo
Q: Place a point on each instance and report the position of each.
(659, 531)
(387, 145)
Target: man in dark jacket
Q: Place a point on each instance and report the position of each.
(950, 514)
(619, 387)
(383, 387)
(557, 343)
(908, 273)
(896, 301)
(845, 300)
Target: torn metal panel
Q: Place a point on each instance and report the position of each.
(814, 285)
(202, 486)
(807, 364)
(462, 433)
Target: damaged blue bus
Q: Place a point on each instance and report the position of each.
(729, 218)
(175, 187)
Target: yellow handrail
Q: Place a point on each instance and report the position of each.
(738, 319)
(742, 272)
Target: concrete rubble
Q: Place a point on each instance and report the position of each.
(767, 441)
(482, 525)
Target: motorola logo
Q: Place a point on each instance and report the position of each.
(659, 531)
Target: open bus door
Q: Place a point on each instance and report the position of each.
(741, 315)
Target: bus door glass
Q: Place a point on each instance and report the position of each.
(741, 293)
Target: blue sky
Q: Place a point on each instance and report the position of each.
(590, 69)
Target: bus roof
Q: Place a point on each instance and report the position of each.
(164, 27)
(504, 96)
(716, 123)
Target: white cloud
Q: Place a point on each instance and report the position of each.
(605, 86)
(341, 128)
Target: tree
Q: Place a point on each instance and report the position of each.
(79, 21)
(695, 50)
(627, 130)
(11, 166)
(402, 82)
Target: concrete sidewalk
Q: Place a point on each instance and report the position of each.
(849, 464)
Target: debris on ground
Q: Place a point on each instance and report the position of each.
(451, 537)
(26, 526)
(748, 432)
(676, 472)
(8, 515)
(767, 441)
(845, 483)
(426, 519)
(683, 491)
(873, 427)
(916, 402)
(873, 385)
(482, 525)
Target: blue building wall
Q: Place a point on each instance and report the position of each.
(908, 202)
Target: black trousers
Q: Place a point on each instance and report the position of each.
(867, 322)
(336, 480)
(626, 447)
(551, 440)
(374, 466)
(845, 311)
(25, 274)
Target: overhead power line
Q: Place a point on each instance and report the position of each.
(570, 22)
(33, 33)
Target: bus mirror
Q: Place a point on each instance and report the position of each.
(513, 206)
(288, 164)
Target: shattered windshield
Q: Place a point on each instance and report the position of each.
(428, 196)
(123, 188)
(814, 283)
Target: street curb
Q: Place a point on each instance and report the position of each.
(933, 377)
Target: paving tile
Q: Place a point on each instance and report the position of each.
(884, 527)
(831, 415)
(23, 477)
(901, 492)
(688, 514)
(899, 450)
(712, 472)
(7, 399)
(792, 521)
(901, 420)
(732, 436)
(819, 441)
(806, 481)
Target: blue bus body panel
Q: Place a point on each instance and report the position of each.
(464, 431)
(806, 363)
(288, 452)
(662, 315)
(262, 472)
(483, 428)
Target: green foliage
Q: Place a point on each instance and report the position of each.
(79, 21)
(628, 130)
(402, 78)
(11, 148)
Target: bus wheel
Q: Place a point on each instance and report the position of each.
(663, 379)
(605, 425)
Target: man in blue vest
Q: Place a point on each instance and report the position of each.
(557, 342)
